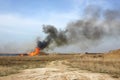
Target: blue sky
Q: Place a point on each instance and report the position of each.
(21, 20)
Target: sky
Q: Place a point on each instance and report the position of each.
(21, 20)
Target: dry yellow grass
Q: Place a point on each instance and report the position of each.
(101, 63)
(105, 63)
(113, 54)
(11, 65)
(101, 66)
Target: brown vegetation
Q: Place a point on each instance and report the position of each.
(11, 65)
(113, 54)
(102, 63)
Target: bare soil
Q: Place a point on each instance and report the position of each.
(57, 70)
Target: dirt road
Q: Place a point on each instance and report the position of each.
(57, 70)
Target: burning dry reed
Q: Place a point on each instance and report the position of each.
(95, 63)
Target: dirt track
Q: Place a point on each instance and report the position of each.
(56, 70)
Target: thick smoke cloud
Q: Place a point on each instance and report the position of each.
(88, 31)
(53, 35)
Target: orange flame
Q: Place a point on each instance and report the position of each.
(36, 52)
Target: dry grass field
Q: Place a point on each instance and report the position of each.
(109, 66)
(11, 65)
(100, 63)
(105, 63)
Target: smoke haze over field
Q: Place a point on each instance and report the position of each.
(84, 34)
(79, 26)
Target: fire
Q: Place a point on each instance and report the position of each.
(36, 52)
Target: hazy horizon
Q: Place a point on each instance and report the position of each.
(21, 24)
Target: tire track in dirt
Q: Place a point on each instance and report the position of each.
(57, 70)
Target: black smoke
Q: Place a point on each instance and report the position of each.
(53, 35)
(96, 24)
(43, 44)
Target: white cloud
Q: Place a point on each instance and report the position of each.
(16, 24)
(60, 20)
(13, 26)
(16, 20)
(19, 22)
(20, 25)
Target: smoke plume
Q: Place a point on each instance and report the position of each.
(95, 25)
